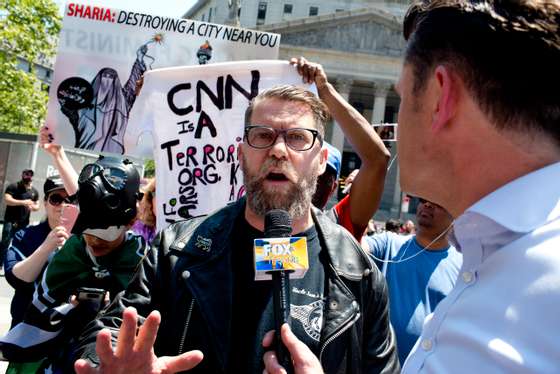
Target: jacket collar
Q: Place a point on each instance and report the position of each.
(209, 239)
(351, 263)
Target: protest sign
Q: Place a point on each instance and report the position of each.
(198, 115)
(104, 51)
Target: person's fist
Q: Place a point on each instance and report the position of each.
(56, 238)
(46, 139)
(305, 362)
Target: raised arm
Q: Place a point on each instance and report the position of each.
(367, 187)
(67, 173)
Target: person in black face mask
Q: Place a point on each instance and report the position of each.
(94, 265)
(21, 199)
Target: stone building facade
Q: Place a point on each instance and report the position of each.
(360, 45)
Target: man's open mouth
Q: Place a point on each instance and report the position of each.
(277, 177)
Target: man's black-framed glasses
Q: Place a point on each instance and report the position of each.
(298, 139)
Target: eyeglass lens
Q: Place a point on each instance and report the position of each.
(297, 139)
(57, 199)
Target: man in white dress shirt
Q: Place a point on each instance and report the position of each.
(479, 134)
(480, 110)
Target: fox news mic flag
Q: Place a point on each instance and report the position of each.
(103, 52)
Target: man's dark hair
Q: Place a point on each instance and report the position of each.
(506, 51)
(393, 225)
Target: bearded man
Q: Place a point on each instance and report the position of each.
(200, 273)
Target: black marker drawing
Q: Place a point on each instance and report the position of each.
(99, 111)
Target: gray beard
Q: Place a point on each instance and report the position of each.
(296, 200)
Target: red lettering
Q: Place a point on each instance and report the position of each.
(79, 10)
(95, 14)
(70, 9)
(107, 16)
(87, 13)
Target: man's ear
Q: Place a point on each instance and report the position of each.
(323, 155)
(240, 154)
(446, 90)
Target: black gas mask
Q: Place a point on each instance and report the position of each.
(108, 191)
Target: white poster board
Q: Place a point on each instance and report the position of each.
(198, 114)
(102, 53)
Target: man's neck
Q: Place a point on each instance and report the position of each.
(298, 224)
(432, 241)
(502, 157)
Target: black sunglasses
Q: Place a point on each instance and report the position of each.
(56, 199)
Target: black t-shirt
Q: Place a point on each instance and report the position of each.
(19, 214)
(253, 312)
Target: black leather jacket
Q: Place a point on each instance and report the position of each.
(187, 277)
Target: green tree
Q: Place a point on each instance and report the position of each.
(29, 31)
(149, 169)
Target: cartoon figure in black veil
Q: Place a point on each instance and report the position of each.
(99, 111)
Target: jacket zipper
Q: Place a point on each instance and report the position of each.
(181, 346)
(338, 333)
(351, 277)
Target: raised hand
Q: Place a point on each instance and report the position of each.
(305, 362)
(135, 353)
(45, 141)
(56, 238)
(310, 72)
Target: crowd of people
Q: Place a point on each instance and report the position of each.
(469, 287)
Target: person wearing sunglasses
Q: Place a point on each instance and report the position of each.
(31, 249)
(92, 266)
(145, 224)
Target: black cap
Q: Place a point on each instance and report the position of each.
(28, 171)
(52, 184)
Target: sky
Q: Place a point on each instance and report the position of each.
(170, 8)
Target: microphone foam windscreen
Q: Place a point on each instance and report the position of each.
(277, 223)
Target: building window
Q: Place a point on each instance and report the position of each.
(339, 10)
(210, 15)
(202, 18)
(239, 12)
(313, 11)
(288, 8)
(261, 14)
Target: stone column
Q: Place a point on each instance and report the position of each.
(380, 91)
(343, 86)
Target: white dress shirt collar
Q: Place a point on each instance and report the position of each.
(536, 195)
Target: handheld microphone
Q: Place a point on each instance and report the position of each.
(279, 256)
